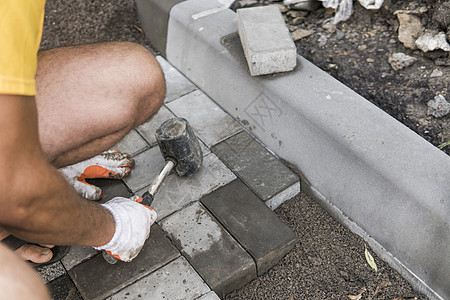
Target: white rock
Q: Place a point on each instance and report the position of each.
(400, 60)
(438, 107)
(436, 73)
(409, 30)
(430, 41)
(300, 34)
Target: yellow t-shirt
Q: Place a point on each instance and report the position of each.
(21, 24)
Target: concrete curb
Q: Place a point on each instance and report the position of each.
(378, 177)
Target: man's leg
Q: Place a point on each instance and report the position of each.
(89, 97)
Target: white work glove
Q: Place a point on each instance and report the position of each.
(110, 164)
(133, 221)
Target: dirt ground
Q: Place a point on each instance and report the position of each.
(356, 52)
(328, 262)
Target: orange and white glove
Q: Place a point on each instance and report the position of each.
(110, 164)
(133, 221)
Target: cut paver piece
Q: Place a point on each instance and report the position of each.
(209, 121)
(267, 43)
(264, 173)
(147, 130)
(251, 223)
(210, 249)
(176, 84)
(177, 280)
(176, 192)
(97, 279)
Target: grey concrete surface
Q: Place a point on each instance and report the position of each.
(391, 183)
(267, 43)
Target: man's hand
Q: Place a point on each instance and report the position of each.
(133, 221)
(110, 164)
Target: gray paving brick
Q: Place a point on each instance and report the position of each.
(96, 279)
(211, 250)
(77, 255)
(176, 84)
(264, 173)
(209, 296)
(209, 121)
(177, 280)
(252, 223)
(176, 192)
(147, 130)
(148, 165)
(266, 40)
(63, 288)
(132, 143)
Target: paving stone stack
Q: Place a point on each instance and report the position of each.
(215, 231)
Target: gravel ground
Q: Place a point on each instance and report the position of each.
(328, 261)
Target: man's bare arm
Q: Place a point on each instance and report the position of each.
(36, 202)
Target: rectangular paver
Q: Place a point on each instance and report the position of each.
(209, 121)
(147, 130)
(266, 40)
(176, 192)
(244, 156)
(211, 250)
(132, 143)
(96, 279)
(176, 84)
(177, 280)
(148, 165)
(63, 288)
(251, 222)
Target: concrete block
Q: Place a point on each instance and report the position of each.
(148, 129)
(267, 43)
(132, 144)
(348, 150)
(209, 121)
(176, 192)
(210, 249)
(63, 288)
(148, 165)
(97, 279)
(209, 296)
(154, 17)
(177, 85)
(77, 255)
(251, 223)
(177, 280)
(269, 180)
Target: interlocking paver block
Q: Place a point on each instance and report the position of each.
(264, 173)
(267, 43)
(50, 272)
(209, 121)
(211, 250)
(176, 84)
(177, 280)
(176, 192)
(252, 223)
(148, 165)
(63, 288)
(147, 130)
(96, 279)
(132, 143)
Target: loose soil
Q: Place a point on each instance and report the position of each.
(328, 261)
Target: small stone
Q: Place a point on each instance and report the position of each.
(400, 60)
(362, 47)
(297, 13)
(300, 34)
(309, 5)
(438, 107)
(246, 3)
(329, 26)
(322, 40)
(370, 60)
(282, 8)
(410, 29)
(436, 73)
(431, 41)
(339, 34)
